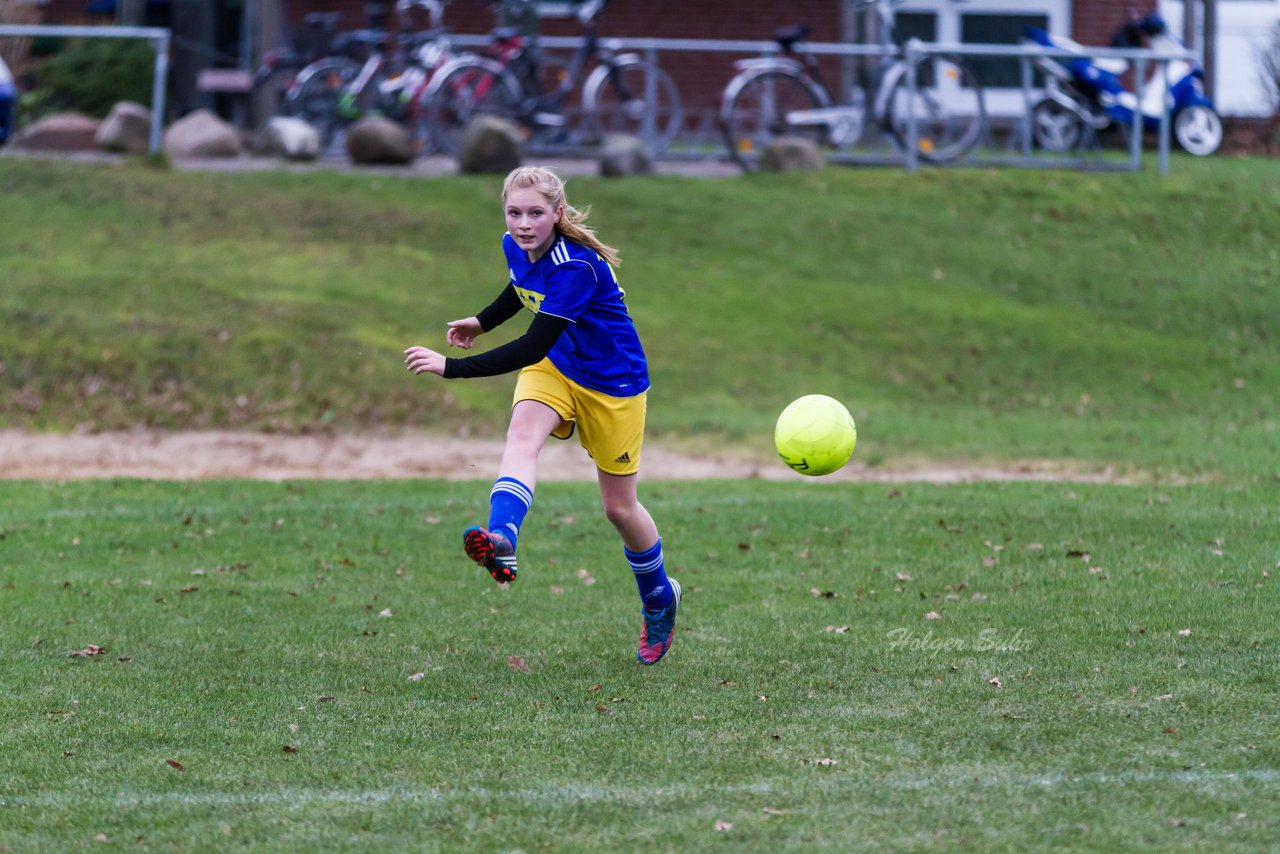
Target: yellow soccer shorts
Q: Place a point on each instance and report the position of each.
(611, 429)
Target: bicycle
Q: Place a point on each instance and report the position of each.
(785, 95)
(623, 93)
(280, 67)
(389, 80)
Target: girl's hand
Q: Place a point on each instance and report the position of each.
(462, 333)
(420, 360)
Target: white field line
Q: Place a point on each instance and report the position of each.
(578, 794)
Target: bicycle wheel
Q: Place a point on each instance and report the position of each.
(950, 116)
(756, 111)
(315, 93)
(464, 90)
(617, 99)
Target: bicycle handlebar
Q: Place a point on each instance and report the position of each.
(588, 12)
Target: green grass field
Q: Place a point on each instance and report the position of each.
(992, 667)
(330, 672)
(1122, 320)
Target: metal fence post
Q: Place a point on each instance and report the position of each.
(1164, 118)
(650, 126)
(1024, 70)
(912, 56)
(1135, 139)
(158, 86)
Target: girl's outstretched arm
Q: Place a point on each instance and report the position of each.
(421, 360)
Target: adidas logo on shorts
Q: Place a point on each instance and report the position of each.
(625, 458)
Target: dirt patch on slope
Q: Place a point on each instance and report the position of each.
(224, 454)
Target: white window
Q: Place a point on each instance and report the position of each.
(986, 22)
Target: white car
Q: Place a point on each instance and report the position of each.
(8, 96)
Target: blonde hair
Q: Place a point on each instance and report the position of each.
(573, 224)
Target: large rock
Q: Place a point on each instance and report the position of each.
(792, 154)
(201, 134)
(490, 144)
(623, 154)
(292, 138)
(378, 141)
(58, 132)
(127, 129)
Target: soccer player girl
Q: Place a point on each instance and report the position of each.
(580, 367)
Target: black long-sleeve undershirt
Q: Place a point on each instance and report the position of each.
(506, 306)
(528, 349)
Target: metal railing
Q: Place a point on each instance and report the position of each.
(914, 52)
(158, 38)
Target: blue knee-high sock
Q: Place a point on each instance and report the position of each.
(651, 576)
(509, 501)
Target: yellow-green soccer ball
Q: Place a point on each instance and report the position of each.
(815, 434)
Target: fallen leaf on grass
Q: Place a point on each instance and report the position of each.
(824, 762)
(289, 748)
(723, 826)
(995, 682)
(175, 764)
(771, 811)
(293, 727)
(385, 612)
(822, 594)
(416, 677)
(517, 664)
(88, 652)
(1184, 633)
(840, 630)
(933, 615)
(586, 577)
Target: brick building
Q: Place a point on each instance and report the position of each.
(220, 27)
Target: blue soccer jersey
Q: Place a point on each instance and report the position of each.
(599, 349)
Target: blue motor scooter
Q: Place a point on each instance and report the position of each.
(8, 97)
(1087, 92)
